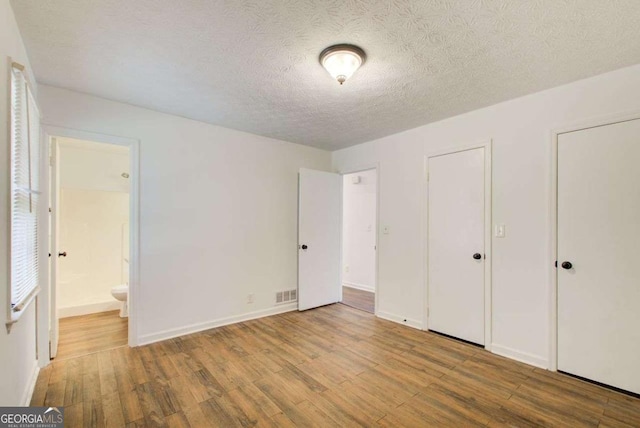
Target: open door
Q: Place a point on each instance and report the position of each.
(319, 235)
(54, 204)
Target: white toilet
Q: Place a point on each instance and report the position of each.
(121, 293)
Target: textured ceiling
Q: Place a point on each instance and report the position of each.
(253, 65)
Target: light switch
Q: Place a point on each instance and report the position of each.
(500, 230)
(385, 230)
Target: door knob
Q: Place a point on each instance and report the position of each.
(64, 254)
(566, 265)
(304, 246)
(477, 256)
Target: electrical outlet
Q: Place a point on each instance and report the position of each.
(250, 298)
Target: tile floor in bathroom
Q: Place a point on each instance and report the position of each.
(86, 334)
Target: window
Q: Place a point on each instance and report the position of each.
(25, 195)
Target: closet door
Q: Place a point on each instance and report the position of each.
(456, 247)
(598, 249)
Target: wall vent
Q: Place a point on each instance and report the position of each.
(286, 296)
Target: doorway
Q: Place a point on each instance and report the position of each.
(321, 277)
(359, 239)
(90, 235)
(597, 241)
(458, 243)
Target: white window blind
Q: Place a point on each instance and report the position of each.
(25, 182)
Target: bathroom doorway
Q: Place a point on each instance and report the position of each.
(359, 239)
(90, 228)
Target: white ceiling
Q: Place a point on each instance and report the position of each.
(253, 65)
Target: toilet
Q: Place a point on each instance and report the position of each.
(121, 293)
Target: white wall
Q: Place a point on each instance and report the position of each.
(18, 348)
(218, 212)
(522, 265)
(93, 218)
(86, 165)
(359, 230)
(92, 233)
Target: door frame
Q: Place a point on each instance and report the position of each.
(44, 314)
(488, 174)
(344, 171)
(553, 238)
(53, 175)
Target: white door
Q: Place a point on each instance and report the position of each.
(54, 204)
(319, 214)
(598, 247)
(456, 251)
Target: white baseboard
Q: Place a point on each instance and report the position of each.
(357, 286)
(400, 320)
(92, 308)
(194, 328)
(523, 357)
(28, 392)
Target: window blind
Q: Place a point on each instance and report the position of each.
(25, 181)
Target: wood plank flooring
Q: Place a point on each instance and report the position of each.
(359, 299)
(86, 334)
(331, 366)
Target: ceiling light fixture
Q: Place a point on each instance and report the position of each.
(341, 61)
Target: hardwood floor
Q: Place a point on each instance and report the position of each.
(86, 334)
(331, 366)
(359, 299)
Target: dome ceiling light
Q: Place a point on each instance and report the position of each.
(341, 61)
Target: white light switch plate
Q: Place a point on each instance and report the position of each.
(500, 230)
(385, 230)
